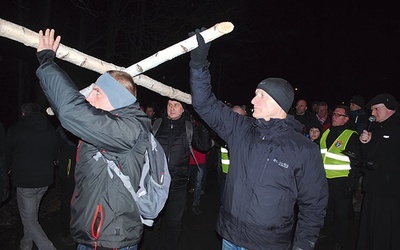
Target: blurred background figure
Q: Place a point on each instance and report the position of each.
(358, 114)
(151, 111)
(31, 148)
(302, 115)
(314, 132)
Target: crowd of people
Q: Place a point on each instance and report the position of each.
(288, 176)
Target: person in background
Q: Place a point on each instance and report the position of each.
(272, 165)
(322, 116)
(198, 172)
(172, 136)
(314, 132)
(379, 222)
(31, 148)
(342, 174)
(301, 114)
(151, 111)
(358, 114)
(314, 107)
(360, 118)
(239, 109)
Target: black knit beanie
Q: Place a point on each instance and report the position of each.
(357, 100)
(280, 90)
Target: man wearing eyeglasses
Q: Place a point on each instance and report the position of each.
(341, 174)
(379, 221)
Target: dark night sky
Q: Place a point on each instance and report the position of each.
(329, 50)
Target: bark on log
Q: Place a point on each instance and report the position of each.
(30, 38)
(178, 49)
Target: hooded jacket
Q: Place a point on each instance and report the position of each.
(103, 212)
(31, 148)
(272, 167)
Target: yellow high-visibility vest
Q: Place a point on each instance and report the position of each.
(224, 160)
(336, 164)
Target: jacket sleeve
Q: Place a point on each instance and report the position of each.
(312, 201)
(97, 127)
(218, 116)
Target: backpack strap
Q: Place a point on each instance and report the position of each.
(189, 135)
(156, 125)
(127, 183)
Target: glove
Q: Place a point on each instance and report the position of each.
(199, 55)
(45, 55)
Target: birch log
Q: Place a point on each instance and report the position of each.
(30, 38)
(180, 48)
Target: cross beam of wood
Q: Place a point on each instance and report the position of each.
(30, 38)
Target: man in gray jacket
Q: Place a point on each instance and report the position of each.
(273, 166)
(111, 126)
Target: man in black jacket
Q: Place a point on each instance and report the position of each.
(111, 127)
(31, 148)
(272, 166)
(379, 221)
(173, 138)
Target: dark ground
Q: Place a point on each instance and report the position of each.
(198, 230)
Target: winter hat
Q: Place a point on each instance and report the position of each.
(280, 90)
(388, 100)
(357, 100)
(314, 124)
(117, 94)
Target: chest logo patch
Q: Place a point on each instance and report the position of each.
(281, 164)
(338, 143)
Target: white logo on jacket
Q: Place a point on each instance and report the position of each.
(281, 164)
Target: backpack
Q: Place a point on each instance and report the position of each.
(189, 135)
(154, 181)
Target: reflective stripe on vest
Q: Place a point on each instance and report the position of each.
(224, 160)
(335, 163)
